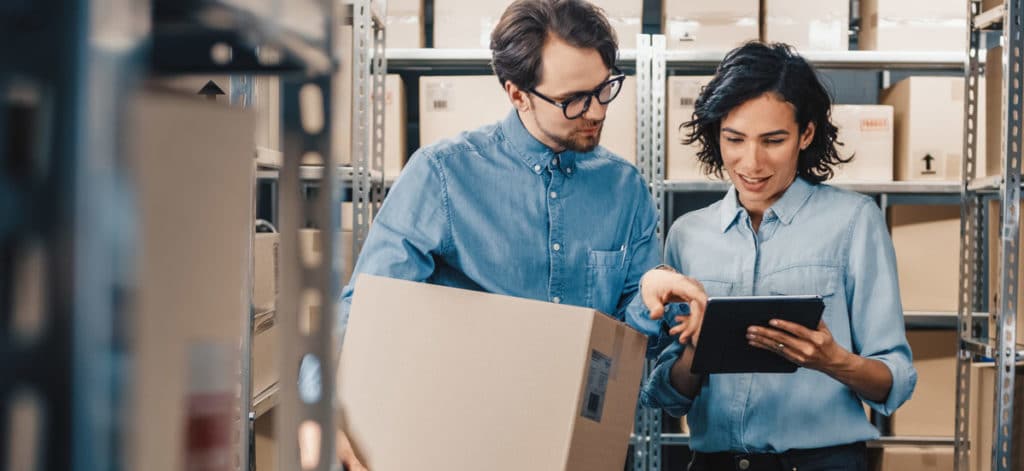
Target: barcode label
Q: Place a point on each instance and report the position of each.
(597, 385)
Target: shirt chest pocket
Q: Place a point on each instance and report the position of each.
(811, 280)
(606, 277)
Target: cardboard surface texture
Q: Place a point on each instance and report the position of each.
(931, 410)
(462, 25)
(807, 25)
(710, 26)
(927, 241)
(192, 161)
(929, 127)
(866, 132)
(913, 25)
(554, 386)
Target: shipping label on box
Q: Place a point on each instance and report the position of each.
(554, 385)
(866, 134)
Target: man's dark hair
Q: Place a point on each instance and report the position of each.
(518, 38)
(750, 71)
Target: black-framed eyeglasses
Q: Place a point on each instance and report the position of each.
(577, 105)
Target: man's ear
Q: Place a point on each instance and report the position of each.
(519, 98)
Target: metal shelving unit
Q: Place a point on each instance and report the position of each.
(1008, 18)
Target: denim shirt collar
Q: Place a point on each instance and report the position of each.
(535, 154)
(785, 208)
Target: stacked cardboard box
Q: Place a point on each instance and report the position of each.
(405, 24)
(468, 25)
(927, 241)
(807, 25)
(710, 26)
(866, 132)
(681, 160)
(562, 394)
(929, 113)
(931, 409)
(913, 25)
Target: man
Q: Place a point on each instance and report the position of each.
(532, 206)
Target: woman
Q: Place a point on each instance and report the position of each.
(764, 121)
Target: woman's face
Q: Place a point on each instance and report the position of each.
(760, 143)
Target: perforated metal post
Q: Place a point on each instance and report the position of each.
(362, 40)
(379, 69)
(1009, 276)
(970, 244)
(657, 128)
(308, 285)
(641, 442)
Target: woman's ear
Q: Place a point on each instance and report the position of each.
(807, 136)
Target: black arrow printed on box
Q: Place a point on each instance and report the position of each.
(928, 159)
(211, 90)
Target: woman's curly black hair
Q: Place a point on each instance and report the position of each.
(750, 71)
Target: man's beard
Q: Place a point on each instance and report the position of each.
(577, 141)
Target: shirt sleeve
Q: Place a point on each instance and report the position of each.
(411, 228)
(646, 252)
(876, 313)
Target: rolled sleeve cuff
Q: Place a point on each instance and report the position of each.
(904, 379)
(658, 391)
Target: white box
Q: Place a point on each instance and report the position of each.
(866, 132)
(710, 26)
(808, 25)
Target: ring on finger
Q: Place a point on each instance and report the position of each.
(780, 346)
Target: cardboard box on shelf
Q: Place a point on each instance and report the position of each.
(914, 25)
(807, 25)
(192, 162)
(562, 394)
(619, 131)
(265, 442)
(904, 458)
(929, 115)
(930, 411)
(981, 416)
(681, 160)
(266, 253)
(450, 105)
(462, 25)
(995, 250)
(265, 372)
(866, 132)
(310, 248)
(710, 26)
(926, 239)
(405, 24)
(394, 125)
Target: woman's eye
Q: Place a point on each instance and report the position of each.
(734, 139)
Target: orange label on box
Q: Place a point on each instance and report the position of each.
(874, 124)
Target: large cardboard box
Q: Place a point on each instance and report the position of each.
(395, 148)
(265, 443)
(929, 113)
(907, 458)
(266, 253)
(311, 249)
(405, 24)
(468, 25)
(931, 410)
(681, 160)
(982, 416)
(192, 163)
(913, 25)
(554, 386)
(450, 105)
(995, 250)
(866, 132)
(265, 371)
(927, 241)
(807, 25)
(710, 26)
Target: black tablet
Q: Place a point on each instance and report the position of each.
(723, 345)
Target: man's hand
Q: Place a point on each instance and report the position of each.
(662, 286)
(347, 455)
